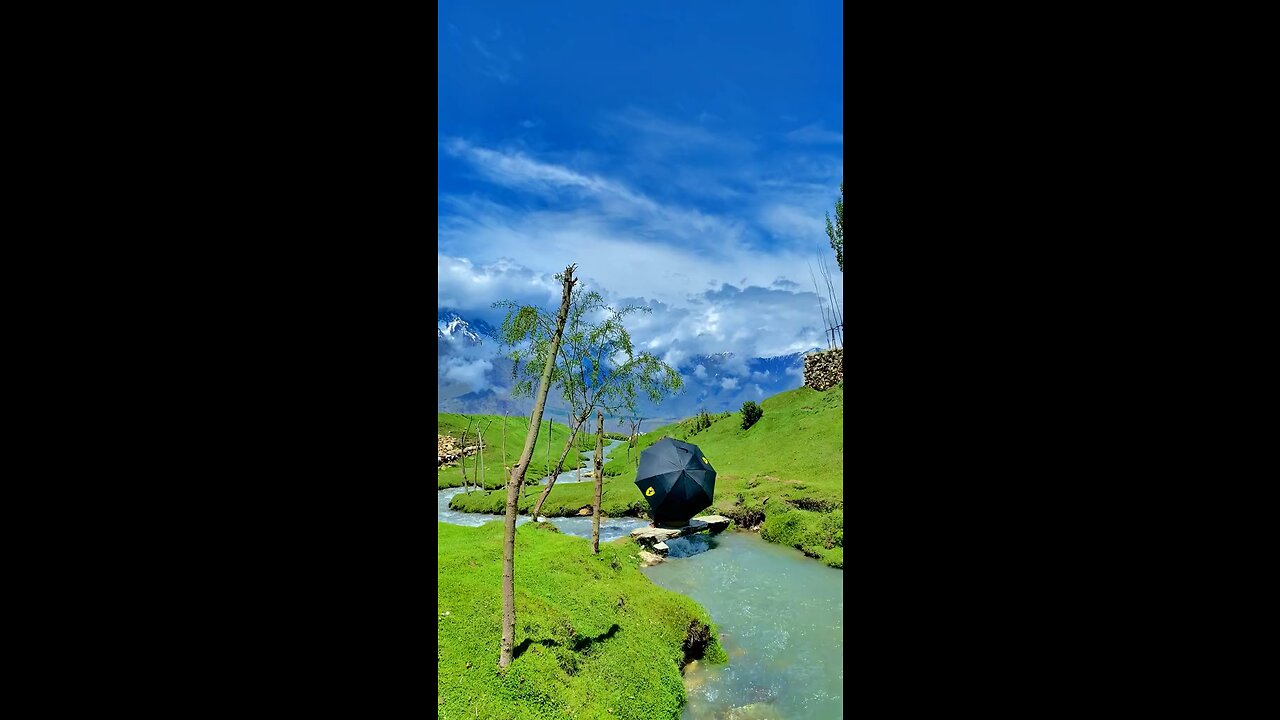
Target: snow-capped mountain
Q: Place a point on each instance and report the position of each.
(449, 324)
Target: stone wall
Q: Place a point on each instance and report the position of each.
(448, 450)
(824, 369)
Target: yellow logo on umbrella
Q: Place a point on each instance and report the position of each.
(649, 492)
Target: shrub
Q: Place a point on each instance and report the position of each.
(751, 413)
(696, 424)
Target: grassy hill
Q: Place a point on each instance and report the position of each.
(494, 477)
(594, 637)
(785, 474)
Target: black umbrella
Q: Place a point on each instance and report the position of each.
(676, 479)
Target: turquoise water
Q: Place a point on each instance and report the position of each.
(781, 619)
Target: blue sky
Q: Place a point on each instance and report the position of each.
(683, 154)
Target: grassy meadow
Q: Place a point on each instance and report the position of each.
(786, 473)
(595, 638)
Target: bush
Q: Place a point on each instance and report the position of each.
(751, 413)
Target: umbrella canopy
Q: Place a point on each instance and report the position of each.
(676, 479)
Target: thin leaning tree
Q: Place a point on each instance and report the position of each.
(598, 467)
(596, 367)
(527, 316)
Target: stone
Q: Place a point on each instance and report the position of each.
(648, 536)
(649, 559)
(661, 548)
(824, 369)
(714, 523)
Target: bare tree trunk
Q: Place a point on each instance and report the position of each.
(595, 509)
(516, 480)
(462, 459)
(837, 317)
(504, 441)
(826, 326)
(482, 432)
(559, 468)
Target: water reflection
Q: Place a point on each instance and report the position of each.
(691, 545)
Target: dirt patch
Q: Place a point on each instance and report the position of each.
(743, 517)
(814, 505)
(695, 642)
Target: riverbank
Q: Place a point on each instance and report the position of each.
(595, 637)
(784, 476)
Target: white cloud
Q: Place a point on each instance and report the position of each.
(729, 383)
(815, 134)
(468, 372)
(637, 248)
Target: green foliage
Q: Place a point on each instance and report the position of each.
(698, 423)
(836, 233)
(751, 413)
(596, 634)
(588, 345)
(585, 442)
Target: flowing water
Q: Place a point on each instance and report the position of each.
(780, 616)
(781, 619)
(588, 458)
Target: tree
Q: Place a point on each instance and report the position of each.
(635, 432)
(837, 233)
(480, 453)
(462, 461)
(751, 413)
(599, 468)
(527, 316)
(596, 366)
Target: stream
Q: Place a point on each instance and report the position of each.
(780, 616)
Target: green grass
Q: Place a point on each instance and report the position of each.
(597, 635)
(616, 499)
(786, 473)
(494, 477)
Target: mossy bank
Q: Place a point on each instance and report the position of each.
(594, 637)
